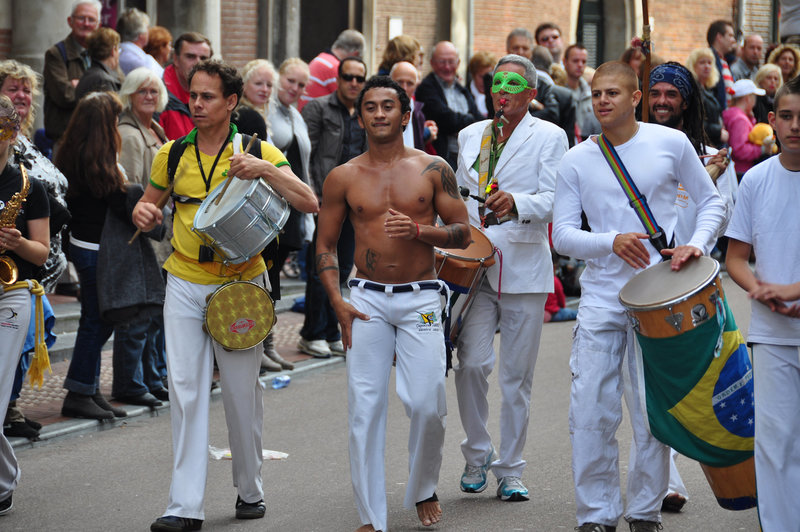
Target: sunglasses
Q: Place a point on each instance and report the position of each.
(351, 77)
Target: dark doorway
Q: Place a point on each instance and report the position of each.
(321, 21)
(590, 30)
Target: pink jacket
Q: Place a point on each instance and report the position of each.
(739, 125)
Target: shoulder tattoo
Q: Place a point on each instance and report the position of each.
(448, 177)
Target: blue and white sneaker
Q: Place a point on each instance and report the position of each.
(473, 479)
(511, 489)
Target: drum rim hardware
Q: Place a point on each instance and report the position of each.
(676, 300)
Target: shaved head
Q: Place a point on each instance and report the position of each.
(622, 71)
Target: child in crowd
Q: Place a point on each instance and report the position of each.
(766, 221)
(739, 121)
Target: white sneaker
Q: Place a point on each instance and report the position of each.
(315, 348)
(337, 347)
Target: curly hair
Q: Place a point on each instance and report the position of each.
(779, 51)
(376, 82)
(231, 80)
(90, 146)
(20, 71)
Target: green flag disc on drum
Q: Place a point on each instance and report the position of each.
(698, 403)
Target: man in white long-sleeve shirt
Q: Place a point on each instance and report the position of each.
(658, 158)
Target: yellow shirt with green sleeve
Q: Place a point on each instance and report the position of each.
(189, 183)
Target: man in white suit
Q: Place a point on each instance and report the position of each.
(510, 161)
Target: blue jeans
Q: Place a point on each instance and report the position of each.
(157, 356)
(565, 314)
(320, 320)
(134, 368)
(83, 376)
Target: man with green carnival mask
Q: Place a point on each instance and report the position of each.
(508, 162)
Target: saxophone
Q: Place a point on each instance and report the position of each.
(8, 216)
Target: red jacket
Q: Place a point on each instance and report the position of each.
(175, 119)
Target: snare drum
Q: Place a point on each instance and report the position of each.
(239, 315)
(698, 380)
(463, 270)
(249, 215)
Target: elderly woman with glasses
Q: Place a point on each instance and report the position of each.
(139, 362)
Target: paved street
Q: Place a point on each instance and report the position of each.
(118, 479)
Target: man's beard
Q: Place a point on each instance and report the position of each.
(674, 120)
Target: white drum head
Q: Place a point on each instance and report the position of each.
(208, 213)
(659, 285)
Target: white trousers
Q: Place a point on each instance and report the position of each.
(410, 325)
(520, 317)
(15, 316)
(675, 484)
(190, 366)
(776, 370)
(602, 338)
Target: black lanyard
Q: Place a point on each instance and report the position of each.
(213, 167)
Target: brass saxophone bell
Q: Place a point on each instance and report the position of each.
(8, 271)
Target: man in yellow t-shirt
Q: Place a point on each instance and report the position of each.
(215, 89)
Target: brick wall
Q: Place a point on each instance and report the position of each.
(494, 19)
(758, 19)
(680, 27)
(419, 21)
(239, 26)
(5, 43)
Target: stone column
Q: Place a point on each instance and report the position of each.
(204, 16)
(37, 25)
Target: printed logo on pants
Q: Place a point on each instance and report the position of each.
(428, 322)
(8, 318)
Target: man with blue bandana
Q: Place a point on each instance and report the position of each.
(509, 162)
(675, 101)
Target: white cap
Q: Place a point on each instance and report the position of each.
(743, 87)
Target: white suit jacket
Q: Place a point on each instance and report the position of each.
(526, 169)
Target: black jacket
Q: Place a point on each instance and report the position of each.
(449, 122)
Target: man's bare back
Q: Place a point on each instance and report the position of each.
(387, 202)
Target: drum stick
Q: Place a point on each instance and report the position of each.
(230, 177)
(162, 200)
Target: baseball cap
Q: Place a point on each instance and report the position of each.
(743, 87)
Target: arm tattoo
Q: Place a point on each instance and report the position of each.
(455, 235)
(371, 259)
(448, 177)
(327, 261)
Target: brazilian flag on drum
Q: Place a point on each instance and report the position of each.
(699, 403)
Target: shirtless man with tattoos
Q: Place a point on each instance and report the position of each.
(392, 195)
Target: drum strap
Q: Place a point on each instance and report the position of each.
(219, 268)
(635, 198)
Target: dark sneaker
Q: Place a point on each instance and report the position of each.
(644, 526)
(20, 429)
(673, 503)
(250, 510)
(173, 523)
(594, 527)
(6, 505)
